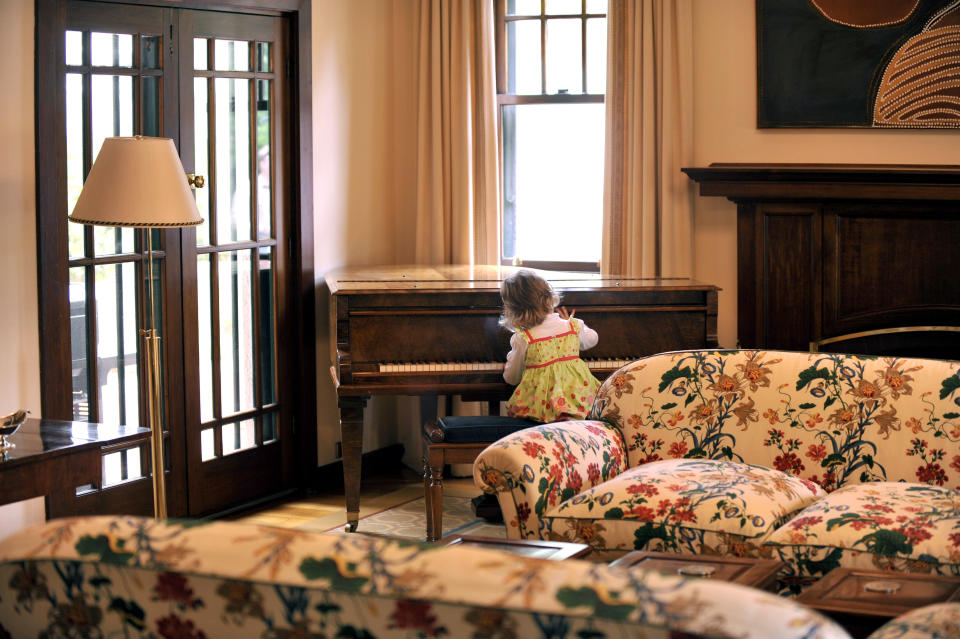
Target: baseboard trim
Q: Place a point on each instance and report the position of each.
(330, 476)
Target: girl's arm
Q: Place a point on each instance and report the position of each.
(513, 369)
(588, 336)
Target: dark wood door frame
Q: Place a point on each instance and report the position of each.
(55, 374)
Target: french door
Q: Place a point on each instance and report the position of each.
(231, 86)
(214, 83)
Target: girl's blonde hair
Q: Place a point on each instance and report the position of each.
(527, 300)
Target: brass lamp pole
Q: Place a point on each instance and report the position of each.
(139, 182)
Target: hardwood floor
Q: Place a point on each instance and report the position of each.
(378, 492)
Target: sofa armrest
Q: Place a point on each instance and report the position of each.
(539, 467)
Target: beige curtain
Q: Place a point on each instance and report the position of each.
(457, 176)
(647, 201)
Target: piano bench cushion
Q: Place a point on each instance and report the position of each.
(476, 429)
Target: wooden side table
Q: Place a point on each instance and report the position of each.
(863, 600)
(746, 571)
(538, 548)
(52, 457)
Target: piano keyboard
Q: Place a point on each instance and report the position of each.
(460, 367)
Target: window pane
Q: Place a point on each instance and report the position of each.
(264, 190)
(207, 445)
(269, 427)
(74, 113)
(597, 55)
(264, 64)
(112, 108)
(232, 159)
(268, 351)
(200, 54)
(78, 343)
(557, 173)
(523, 7)
(523, 57)
(121, 466)
(238, 436)
(74, 48)
(235, 272)
(151, 106)
(201, 161)
(117, 343)
(111, 49)
(563, 7)
(564, 55)
(231, 55)
(150, 58)
(596, 6)
(205, 337)
(111, 115)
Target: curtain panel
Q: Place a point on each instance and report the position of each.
(647, 203)
(457, 219)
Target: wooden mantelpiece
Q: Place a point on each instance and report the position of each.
(832, 249)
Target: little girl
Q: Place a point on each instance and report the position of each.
(544, 358)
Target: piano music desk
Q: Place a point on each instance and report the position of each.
(434, 330)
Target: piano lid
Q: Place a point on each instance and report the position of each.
(371, 279)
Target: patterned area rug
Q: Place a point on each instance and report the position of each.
(409, 520)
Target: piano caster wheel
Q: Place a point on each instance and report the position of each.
(351, 527)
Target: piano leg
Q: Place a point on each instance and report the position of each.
(432, 479)
(351, 441)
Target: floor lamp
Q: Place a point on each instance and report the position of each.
(139, 182)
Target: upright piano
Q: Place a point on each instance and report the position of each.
(435, 330)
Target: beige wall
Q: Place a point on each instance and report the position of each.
(19, 335)
(725, 108)
(364, 115)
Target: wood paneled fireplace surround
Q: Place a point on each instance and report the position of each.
(848, 257)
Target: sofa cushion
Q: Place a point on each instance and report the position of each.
(684, 505)
(885, 525)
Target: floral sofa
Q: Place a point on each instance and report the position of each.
(143, 578)
(822, 460)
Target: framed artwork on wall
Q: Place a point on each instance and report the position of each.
(858, 63)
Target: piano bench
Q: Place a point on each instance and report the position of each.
(457, 440)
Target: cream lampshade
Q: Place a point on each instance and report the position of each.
(137, 182)
(140, 182)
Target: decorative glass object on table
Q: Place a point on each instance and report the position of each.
(9, 425)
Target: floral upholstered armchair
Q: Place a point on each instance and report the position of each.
(824, 460)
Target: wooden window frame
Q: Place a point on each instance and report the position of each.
(505, 97)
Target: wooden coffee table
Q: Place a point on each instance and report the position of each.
(863, 600)
(538, 548)
(756, 573)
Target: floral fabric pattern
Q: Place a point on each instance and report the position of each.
(833, 419)
(887, 526)
(142, 578)
(676, 505)
(537, 468)
(936, 621)
(828, 419)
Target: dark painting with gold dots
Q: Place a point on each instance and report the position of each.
(858, 63)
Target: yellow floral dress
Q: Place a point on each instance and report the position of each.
(556, 383)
